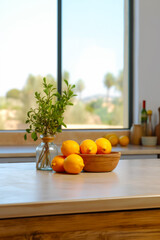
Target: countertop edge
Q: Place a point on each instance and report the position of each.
(30, 151)
(78, 206)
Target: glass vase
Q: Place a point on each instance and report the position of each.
(45, 152)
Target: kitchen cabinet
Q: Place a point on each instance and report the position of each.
(123, 225)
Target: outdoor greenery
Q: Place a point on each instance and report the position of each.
(104, 110)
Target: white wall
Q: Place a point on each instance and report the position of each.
(147, 57)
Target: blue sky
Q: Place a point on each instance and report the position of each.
(92, 41)
(101, 21)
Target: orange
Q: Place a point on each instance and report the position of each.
(73, 164)
(70, 147)
(57, 163)
(113, 140)
(103, 146)
(124, 140)
(88, 147)
(107, 136)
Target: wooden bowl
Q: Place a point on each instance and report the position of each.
(100, 162)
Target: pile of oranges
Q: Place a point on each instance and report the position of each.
(71, 162)
(123, 140)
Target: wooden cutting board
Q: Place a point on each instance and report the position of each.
(157, 129)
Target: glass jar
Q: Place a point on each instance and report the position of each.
(45, 152)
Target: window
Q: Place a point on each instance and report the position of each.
(94, 57)
(28, 51)
(93, 37)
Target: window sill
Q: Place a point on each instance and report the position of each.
(13, 147)
(17, 138)
(28, 153)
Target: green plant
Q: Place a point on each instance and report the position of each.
(47, 117)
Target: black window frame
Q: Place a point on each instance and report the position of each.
(130, 59)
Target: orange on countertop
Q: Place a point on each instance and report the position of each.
(70, 147)
(88, 146)
(108, 135)
(73, 164)
(113, 140)
(103, 146)
(58, 163)
(124, 140)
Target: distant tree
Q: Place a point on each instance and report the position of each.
(119, 82)
(80, 86)
(95, 104)
(109, 81)
(13, 93)
(2, 123)
(65, 75)
(33, 84)
(51, 79)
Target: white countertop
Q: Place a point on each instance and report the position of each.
(27, 192)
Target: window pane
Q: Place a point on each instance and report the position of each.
(93, 35)
(28, 52)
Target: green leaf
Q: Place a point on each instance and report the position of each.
(46, 91)
(66, 82)
(25, 137)
(59, 130)
(44, 80)
(64, 125)
(28, 114)
(73, 86)
(34, 136)
(69, 103)
(37, 95)
(57, 94)
(28, 130)
(50, 85)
